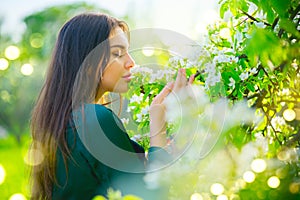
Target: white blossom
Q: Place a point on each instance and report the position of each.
(238, 36)
(181, 62)
(130, 108)
(253, 70)
(136, 137)
(139, 117)
(294, 64)
(277, 122)
(212, 79)
(233, 59)
(221, 58)
(232, 82)
(145, 110)
(259, 24)
(136, 98)
(244, 76)
(210, 68)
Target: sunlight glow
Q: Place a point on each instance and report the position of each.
(2, 174)
(196, 196)
(208, 17)
(258, 165)
(17, 196)
(26, 69)
(217, 189)
(273, 182)
(294, 188)
(12, 52)
(249, 176)
(222, 197)
(3, 64)
(148, 51)
(289, 115)
(225, 33)
(33, 157)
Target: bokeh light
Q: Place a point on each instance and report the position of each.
(17, 196)
(3, 64)
(2, 174)
(196, 196)
(26, 69)
(289, 115)
(217, 189)
(98, 197)
(5, 96)
(234, 197)
(294, 188)
(249, 176)
(36, 40)
(222, 197)
(33, 157)
(148, 51)
(273, 182)
(258, 165)
(12, 52)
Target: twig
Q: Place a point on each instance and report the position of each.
(254, 19)
(275, 22)
(270, 124)
(268, 75)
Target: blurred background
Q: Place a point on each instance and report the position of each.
(249, 53)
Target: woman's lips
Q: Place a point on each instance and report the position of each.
(127, 77)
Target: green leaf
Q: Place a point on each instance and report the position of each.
(289, 26)
(271, 16)
(224, 7)
(263, 44)
(250, 87)
(280, 6)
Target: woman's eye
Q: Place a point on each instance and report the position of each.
(117, 54)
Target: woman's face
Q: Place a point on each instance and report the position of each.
(116, 75)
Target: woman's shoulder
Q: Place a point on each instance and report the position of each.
(103, 114)
(98, 108)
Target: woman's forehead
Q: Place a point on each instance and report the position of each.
(118, 37)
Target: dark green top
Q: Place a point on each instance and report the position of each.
(97, 164)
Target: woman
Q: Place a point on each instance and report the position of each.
(68, 122)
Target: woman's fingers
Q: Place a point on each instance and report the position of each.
(163, 94)
(191, 79)
(180, 80)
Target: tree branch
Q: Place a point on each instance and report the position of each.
(270, 124)
(275, 23)
(254, 19)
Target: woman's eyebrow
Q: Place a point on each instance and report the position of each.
(118, 46)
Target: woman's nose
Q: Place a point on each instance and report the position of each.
(129, 62)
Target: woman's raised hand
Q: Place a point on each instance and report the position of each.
(158, 109)
(181, 80)
(157, 117)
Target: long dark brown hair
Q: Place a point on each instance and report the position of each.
(76, 40)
